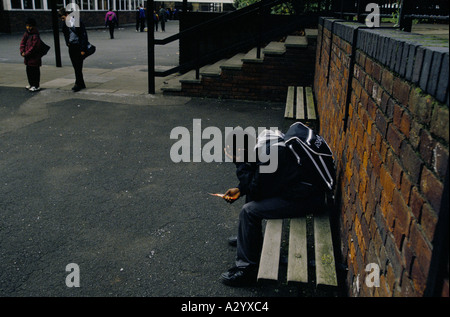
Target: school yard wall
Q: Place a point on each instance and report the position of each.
(392, 152)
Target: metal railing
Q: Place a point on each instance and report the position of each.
(256, 32)
(206, 27)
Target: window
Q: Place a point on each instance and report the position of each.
(16, 4)
(28, 4)
(39, 4)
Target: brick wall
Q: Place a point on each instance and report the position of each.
(392, 154)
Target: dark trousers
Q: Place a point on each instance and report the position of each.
(77, 62)
(250, 238)
(33, 75)
(142, 22)
(111, 29)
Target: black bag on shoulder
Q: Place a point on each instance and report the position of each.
(90, 50)
(43, 48)
(312, 152)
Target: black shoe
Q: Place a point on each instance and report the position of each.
(78, 88)
(232, 241)
(240, 276)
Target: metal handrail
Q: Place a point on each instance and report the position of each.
(196, 64)
(211, 56)
(221, 19)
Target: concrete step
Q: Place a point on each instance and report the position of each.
(213, 70)
(251, 56)
(233, 63)
(293, 41)
(275, 48)
(189, 78)
(174, 83)
(236, 62)
(311, 33)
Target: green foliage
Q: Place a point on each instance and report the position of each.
(284, 8)
(238, 4)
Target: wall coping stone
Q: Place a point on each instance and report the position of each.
(420, 59)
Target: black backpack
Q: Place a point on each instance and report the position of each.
(312, 152)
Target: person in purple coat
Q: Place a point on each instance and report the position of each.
(111, 21)
(32, 58)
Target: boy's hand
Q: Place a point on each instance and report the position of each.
(232, 195)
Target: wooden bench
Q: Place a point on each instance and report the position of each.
(297, 264)
(300, 104)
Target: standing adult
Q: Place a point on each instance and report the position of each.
(138, 19)
(162, 18)
(76, 39)
(111, 21)
(141, 18)
(156, 20)
(32, 59)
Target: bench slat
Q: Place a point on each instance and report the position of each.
(310, 104)
(325, 263)
(297, 258)
(289, 111)
(300, 107)
(270, 255)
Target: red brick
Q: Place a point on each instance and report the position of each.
(401, 90)
(418, 278)
(405, 124)
(416, 203)
(440, 160)
(381, 123)
(405, 188)
(397, 115)
(387, 80)
(376, 72)
(420, 106)
(426, 146)
(439, 122)
(387, 183)
(402, 213)
(411, 161)
(420, 245)
(397, 172)
(391, 279)
(432, 188)
(394, 138)
(428, 221)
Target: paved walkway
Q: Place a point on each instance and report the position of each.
(118, 66)
(87, 178)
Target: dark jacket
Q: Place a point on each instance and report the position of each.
(29, 45)
(76, 36)
(289, 181)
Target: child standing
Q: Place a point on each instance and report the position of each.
(33, 59)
